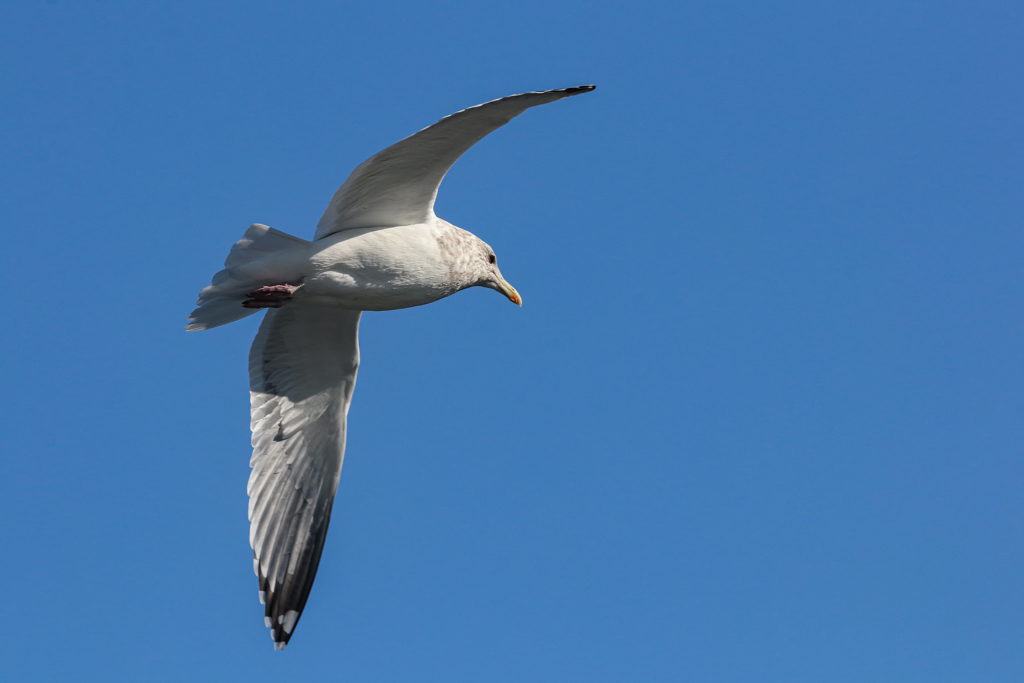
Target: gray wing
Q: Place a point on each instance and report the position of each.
(302, 370)
(399, 185)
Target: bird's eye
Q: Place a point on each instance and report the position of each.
(491, 258)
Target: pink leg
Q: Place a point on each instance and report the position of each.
(271, 296)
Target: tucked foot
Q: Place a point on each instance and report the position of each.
(271, 296)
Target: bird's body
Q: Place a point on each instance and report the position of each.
(378, 247)
(382, 269)
(375, 269)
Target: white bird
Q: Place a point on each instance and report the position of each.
(377, 247)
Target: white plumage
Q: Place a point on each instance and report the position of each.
(378, 246)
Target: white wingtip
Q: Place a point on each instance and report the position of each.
(289, 620)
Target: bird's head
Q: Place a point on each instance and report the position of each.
(487, 273)
(472, 262)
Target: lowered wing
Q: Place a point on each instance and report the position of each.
(302, 370)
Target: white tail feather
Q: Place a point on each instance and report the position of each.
(221, 302)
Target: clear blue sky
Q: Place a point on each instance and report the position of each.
(759, 419)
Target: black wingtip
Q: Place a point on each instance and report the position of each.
(579, 89)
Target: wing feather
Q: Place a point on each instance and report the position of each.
(398, 186)
(302, 371)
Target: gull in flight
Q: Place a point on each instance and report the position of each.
(378, 247)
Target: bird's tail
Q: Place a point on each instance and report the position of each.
(255, 261)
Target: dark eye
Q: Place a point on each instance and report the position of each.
(491, 259)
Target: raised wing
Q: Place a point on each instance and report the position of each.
(302, 370)
(399, 185)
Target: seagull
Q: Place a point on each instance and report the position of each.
(378, 247)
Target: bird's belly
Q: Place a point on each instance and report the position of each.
(378, 269)
(365, 294)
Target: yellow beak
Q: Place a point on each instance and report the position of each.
(509, 291)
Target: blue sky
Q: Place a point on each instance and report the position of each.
(759, 418)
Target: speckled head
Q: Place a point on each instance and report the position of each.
(471, 261)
